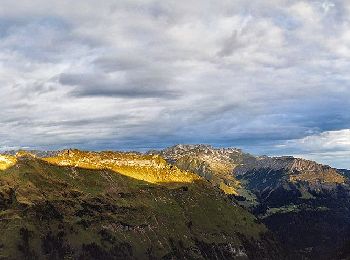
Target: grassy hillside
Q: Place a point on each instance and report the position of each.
(80, 205)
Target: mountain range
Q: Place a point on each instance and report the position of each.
(182, 202)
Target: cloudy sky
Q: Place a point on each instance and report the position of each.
(271, 77)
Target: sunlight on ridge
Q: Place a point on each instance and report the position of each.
(7, 161)
(149, 168)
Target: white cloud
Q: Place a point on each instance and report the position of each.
(253, 73)
(327, 6)
(326, 141)
(330, 147)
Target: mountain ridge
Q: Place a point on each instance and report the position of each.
(89, 205)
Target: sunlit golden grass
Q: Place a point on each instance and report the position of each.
(227, 189)
(149, 168)
(7, 161)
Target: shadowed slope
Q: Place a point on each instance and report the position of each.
(305, 203)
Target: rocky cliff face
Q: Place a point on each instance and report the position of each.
(111, 205)
(305, 203)
(215, 165)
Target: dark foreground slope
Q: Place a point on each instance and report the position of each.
(119, 206)
(306, 204)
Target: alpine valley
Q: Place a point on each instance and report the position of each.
(183, 202)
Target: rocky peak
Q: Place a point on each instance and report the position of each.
(180, 150)
(214, 164)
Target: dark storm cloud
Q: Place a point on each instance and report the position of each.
(138, 86)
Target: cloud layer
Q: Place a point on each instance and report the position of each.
(261, 75)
